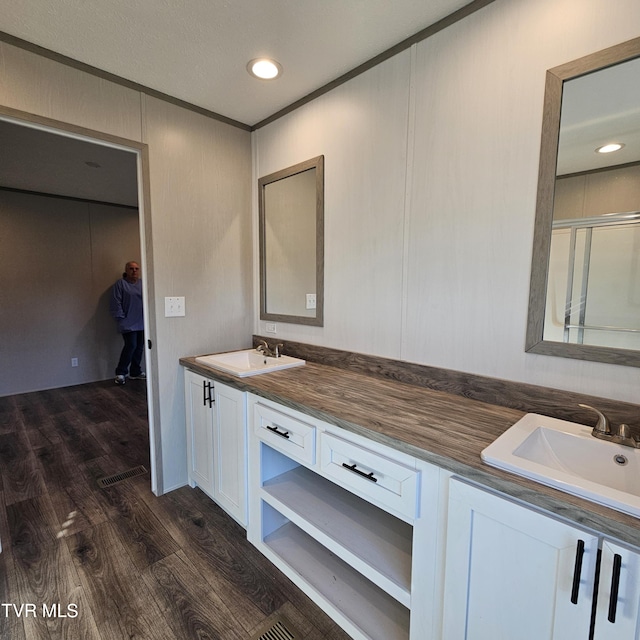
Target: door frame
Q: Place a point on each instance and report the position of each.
(141, 150)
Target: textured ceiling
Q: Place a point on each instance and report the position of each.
(197, 50)
(36, 160)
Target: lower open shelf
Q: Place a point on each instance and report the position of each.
(376, 614)
(379, 543)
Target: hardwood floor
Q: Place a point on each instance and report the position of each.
(83, 563)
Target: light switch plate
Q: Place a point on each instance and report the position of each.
(174, 307)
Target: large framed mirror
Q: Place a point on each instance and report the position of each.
(291, 230)
(584, 300)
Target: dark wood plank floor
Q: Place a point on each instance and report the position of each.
(120, 563)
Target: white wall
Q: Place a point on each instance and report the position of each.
(198, 229)
(361, 130)
(200, 202)
(58, 261)
(431, 164)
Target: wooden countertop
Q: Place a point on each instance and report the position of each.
(445, 429)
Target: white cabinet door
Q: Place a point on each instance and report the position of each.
(512, 572)
(230, 451)
(618, 610)
(200, 426)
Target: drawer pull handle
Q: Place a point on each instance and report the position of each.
(577, 571)
(283, 434)
(615, 584)
(352, 467)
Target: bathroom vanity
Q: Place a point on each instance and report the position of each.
(341, 515)
(217, 442)
(370, 495)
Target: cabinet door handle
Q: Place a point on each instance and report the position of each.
(352, 467)
(615, 584)
(283, 434)
(207, 398)
(577, 571)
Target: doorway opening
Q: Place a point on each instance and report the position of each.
(78, 206)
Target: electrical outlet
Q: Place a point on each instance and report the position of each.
(74, 362)
(270, 327)
(311, 300)
(174, 307)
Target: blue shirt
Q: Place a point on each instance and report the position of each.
(126, 305)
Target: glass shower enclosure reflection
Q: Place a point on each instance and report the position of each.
(593, 293)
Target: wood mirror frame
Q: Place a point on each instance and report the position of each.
(266, 311)
(555, 79)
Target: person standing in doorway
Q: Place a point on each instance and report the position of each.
(126, 308)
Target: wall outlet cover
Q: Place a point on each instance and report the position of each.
(311, 300)
(270, 327)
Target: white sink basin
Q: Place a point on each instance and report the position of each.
(566, 456)
(248, 362)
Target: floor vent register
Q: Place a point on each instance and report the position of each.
(108, 481)
(278, 629)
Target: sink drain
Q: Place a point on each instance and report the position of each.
(621, 460)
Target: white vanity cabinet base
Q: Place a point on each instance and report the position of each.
(626, 616)
(230, 452)
(200, 420)
(373, 542)
(510, 571)
(366, 611)
(349, 543)
(217, 442)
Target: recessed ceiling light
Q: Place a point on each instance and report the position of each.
(264, 68)
(609, 148)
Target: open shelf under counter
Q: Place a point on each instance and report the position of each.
(369, 539)
(372, 611)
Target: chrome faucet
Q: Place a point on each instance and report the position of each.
(603, 426)
(621, 435)
(267, 351)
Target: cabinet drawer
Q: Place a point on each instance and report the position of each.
(386, 483)
(285, 433)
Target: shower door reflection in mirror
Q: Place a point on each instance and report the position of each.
(593, 294)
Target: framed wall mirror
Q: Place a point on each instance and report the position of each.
(584, 300)
(291, 229)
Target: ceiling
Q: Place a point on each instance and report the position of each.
(197, 50)
(35, 160)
